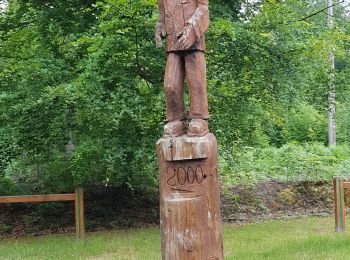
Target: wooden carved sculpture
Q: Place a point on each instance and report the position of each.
(183, 24)
(190, 219)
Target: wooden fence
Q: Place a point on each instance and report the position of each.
(77, 197)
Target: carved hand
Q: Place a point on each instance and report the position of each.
(187, 37)
(160, 34)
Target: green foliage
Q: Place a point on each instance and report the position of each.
(95, 86)
(260, 71)
(291, 162)
(305, 124)
(7, 186)
(81, 98)
(343, 122)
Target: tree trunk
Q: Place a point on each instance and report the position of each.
(331, 90)
(190, 217)
(70, 144)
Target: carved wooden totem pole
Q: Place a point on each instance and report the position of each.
(187, 155)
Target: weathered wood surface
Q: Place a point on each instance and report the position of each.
(346, 184)
(79, 214)
(189, 198)
(184, 148)
(339, 204)
(77, 197)
(37, 198)
(183, 24)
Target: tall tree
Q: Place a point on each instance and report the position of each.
(331, 90)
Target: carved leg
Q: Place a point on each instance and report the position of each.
(173, 88)
(197, 84)
(196, 79)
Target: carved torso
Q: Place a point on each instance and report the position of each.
(177, 13)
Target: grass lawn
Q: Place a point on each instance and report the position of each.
(308, 238)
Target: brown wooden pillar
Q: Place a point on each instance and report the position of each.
(79, 214)
(339, 204)
(190, 216)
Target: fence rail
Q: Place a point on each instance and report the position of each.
(77, 197)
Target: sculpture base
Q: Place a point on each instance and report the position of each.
(190, 218)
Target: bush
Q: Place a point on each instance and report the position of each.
(7, 187)
(305, 124)
(343, 123)
(291, 162)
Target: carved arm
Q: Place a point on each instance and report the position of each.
(200, 19)
(160, 28)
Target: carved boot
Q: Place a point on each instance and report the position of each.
(174, 128)
(198, 127)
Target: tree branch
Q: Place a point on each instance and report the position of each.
(315, 13)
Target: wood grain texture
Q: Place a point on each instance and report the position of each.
(176, 17)
(79, 214)
(339, 204)
(77, 197)
(346, 184)
(184, 148)
(190, 66)
(190, 215)
(37, 198)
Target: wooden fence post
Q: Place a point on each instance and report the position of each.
(339, 204)
(79, 214)
(77, 197)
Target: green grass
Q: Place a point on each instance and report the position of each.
(308, 238)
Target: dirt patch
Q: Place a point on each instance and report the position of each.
(112, 208)
(106, 208)
(274, 200)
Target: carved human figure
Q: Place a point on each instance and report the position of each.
(183, 24)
